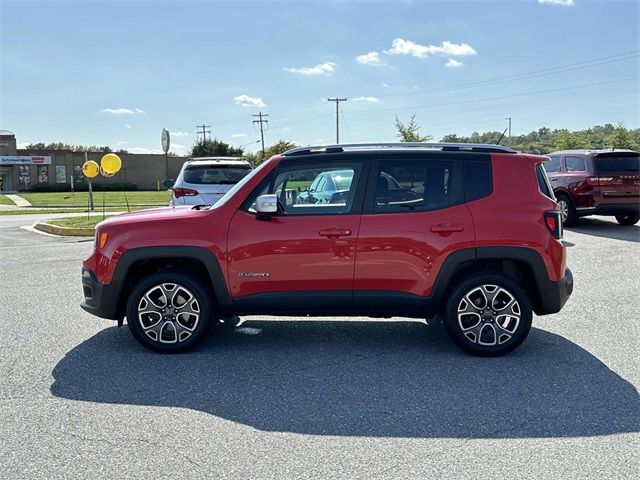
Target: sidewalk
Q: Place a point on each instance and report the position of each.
(19, 201)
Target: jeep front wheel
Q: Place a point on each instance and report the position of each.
(169, 312)
(488, 314)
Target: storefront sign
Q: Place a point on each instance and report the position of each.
(25, 160)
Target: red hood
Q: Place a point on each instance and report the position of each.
(153, 214)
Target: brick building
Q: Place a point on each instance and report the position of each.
(20, 169)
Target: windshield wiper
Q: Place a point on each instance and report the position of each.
(200, 206)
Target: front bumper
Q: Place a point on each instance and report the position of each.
(553, 295)
(101, 300)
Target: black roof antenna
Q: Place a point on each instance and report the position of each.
(501, 136)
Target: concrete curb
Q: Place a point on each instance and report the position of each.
(64, 231)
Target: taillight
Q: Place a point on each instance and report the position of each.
(184, 192)
(599, 181)
(553, 221)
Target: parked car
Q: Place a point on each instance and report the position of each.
(596, 182)
(480, 247)
(203, 181)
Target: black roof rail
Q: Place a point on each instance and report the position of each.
(445, 147)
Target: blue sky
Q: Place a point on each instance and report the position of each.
(116, 73)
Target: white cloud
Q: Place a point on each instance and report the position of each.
(179, 134)
(122, 111)
(371, 58)
(366, 99)
(325, 68)
(401, 46)
(385, 85)
(239, 135)
(177, 146)
(453, 63)
(247, 101)
(127, 125)
(564, 3)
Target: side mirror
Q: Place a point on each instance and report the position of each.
(267, 205)
(168, 183)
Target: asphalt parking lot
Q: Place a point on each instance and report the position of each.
(300, 398)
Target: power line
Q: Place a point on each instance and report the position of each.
(204, 131)
(525, 94)
(261, 121)
(344, 120)
(337, 101)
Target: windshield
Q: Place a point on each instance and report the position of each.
(239, 185)
(618, 163)
(215, 174)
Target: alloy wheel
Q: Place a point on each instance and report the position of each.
(563, 206)
(168, 313)
(488, 315)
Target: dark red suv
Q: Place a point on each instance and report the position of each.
(596, 182)
(467, 233)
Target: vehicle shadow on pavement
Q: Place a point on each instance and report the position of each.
(378, 379)
(607, 229)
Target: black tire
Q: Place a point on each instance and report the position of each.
(630, 219)
(571, 218)
(177, 337)
(516, 330)
(229, 323)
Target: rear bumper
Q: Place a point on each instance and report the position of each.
(553, 295)
(613, 209)
(100, 300)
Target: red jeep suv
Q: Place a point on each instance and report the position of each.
(596, 182)
(467, 233)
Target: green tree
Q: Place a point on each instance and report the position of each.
(566, 140)
(214, 148)
(410, 132)
(621, 138)
(277, 148)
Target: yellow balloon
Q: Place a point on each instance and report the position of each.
(111, 163)
(90, 169)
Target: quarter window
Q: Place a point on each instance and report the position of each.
(575, 164)
(414, 185)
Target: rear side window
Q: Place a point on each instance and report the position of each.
(575, 164)
(477, 180)
(618, 163)
(413, 185)
(215, 174)
(553, 165)
(543, 182)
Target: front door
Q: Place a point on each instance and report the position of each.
(302, 259)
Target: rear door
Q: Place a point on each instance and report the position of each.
(407, 232)
(618, 177)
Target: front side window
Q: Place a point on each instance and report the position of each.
(575, 164)
(312, 189)
(414, 185)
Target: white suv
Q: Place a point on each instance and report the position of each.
(205, 180)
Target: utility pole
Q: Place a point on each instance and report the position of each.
(261, 119)
(337, 100)
(204, 131)
(509, 118)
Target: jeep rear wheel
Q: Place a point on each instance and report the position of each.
(488, 314)
(169, 312)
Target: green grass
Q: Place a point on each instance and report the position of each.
(40, 211)
(5, 201)
(77, 222)
(111, 199)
